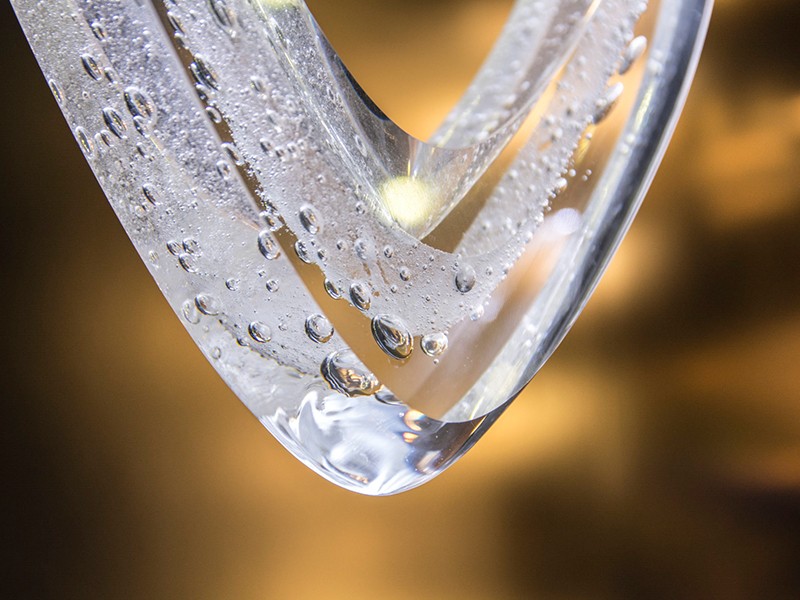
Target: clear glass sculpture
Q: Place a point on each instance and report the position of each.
(374, 299)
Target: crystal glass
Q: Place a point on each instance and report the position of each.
(374, 299)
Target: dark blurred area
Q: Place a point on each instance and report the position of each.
(656, 456)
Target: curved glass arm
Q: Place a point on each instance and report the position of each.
(375, 300)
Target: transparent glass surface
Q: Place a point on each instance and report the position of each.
(375, 300)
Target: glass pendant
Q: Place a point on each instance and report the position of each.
(374, 299)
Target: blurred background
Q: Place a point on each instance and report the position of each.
(657, 455)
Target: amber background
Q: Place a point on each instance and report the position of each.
(656, 456)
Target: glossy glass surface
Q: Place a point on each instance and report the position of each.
(374, 299)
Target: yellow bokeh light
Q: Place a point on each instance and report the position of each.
(409, 201)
